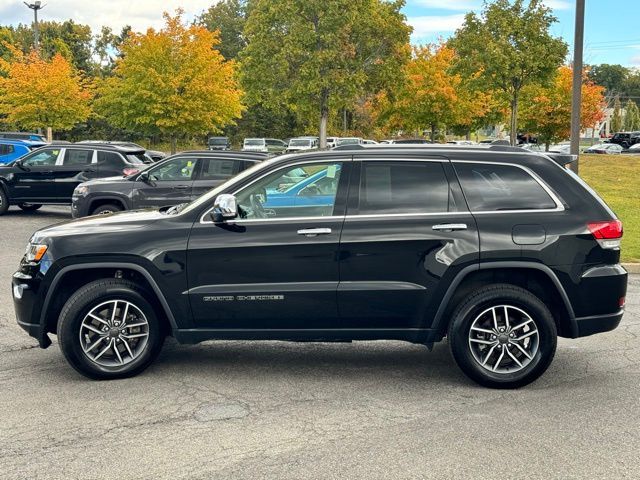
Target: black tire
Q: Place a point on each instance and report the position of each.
(30, 207)
(82, 302)
(499, 295)
(4, 202)
(107, 208)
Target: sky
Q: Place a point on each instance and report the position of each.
(610, 35)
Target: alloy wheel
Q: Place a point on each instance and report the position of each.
(114, 333)
(504, 339)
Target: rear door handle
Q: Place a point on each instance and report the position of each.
(449, 227)
(182, 187)
(313, 232)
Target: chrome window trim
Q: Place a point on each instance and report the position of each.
(439, 159)
(559, 204)
(397, 215)
(293, 164)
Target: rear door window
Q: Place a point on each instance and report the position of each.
(403, 187)
(496, 187)
(217, 169)
(77, 157)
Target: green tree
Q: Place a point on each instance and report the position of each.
(612, 77)
(315, 57)
(631, 116)
(616, 118)
(509, 46)
(171, 82)
(69, 39)
(228, 17)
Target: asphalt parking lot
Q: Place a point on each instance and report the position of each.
(278, 410)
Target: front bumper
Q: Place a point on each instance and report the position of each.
(25, 297)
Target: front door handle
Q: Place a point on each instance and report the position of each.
(182, 187)
(449, 227)
(314, 232)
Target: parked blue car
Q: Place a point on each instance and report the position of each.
(11, 150)
(316, 192)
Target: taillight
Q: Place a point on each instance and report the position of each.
(608, 234)
(129, 171)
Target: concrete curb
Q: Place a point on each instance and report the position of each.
(632, 267)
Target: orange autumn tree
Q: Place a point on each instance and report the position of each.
(36, 93)
(546, 110)
(434, 95)
(172, 82)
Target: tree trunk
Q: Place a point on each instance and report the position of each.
(49, 134)
(468, 136)
(433, 132)
(513, 134)
(344, 121)
(324, 118)
(173, 144)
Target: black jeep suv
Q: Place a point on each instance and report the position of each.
(50, 174)
(174, 180)
(498, 249)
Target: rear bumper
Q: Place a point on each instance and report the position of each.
(586, 326)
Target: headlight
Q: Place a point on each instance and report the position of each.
(35, 252)
(81, 191)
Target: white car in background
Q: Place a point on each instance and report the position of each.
(332, 141)
(369, 142)
(302, 143)
(349, 141)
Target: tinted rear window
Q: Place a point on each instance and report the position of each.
(491, 188)
(403, 187)
(110, 158)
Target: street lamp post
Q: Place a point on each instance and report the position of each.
(577, 82)
(35, 6)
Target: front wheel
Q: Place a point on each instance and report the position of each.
(106, 209)
(108, 329)
(30, 207)
(502, 336)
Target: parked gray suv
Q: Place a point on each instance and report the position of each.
(174, 180)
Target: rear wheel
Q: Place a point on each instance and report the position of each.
(107, 208)
(4, 202)
(30, 207)
(503, 336)
(108, 329)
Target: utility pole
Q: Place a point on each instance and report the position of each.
(576, 98)
(35, 6)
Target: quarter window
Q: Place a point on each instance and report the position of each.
(110, 158)
(494, 187)
(403, 187)
(6, 149)
(301, 191)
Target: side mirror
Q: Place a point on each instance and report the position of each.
(144, 177)
(224, 208)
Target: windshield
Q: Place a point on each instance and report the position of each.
(254, 141)
(299, 142)
(137, 158)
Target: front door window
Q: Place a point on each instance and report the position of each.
(300, 191)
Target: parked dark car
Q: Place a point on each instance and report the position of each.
(219, 143)
(174, 180)
(34, 137)
(154, 155)
(625, 139)
(412, 141)
(498, 249)
(50, 174)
